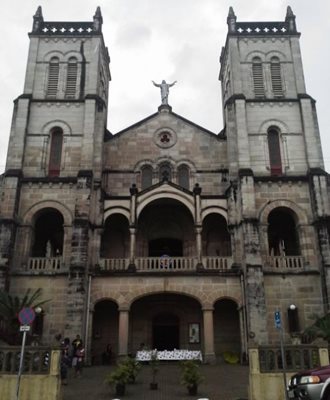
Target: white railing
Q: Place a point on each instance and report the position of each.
(45, 264)
(163, 264)
(286, 262)
(166, 264)
(114, 264)
(217, 263)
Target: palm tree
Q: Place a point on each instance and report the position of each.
(10, 306)
(319, 329)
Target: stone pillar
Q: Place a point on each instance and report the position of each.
(198, 232)
(123, 332)
(77, 285)
(209, 354)
(132, 247)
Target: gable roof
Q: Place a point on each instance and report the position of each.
(150, 117)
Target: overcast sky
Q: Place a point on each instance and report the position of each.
(173, 40)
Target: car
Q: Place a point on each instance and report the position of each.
(312, 384)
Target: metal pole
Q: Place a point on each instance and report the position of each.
(20, 366)
(283, 362)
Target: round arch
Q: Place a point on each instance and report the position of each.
(273, 123)
(56, 123)
(215, 210)
(53, 53)
(281, 56)
(272, 205)
(36, 208)
(165, 193)
(255, 54)
(94, 303)
(116, 210)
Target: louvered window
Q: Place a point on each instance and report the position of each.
(71, 78)
(258, 78)
(276, 76)
(146, 180)
(183, 176)
(275, 160)
(55, 153)
(53, 74)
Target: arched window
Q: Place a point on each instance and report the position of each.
(183, 176)
(146, 176)
(283, 237)
(274, 148)
(258, 78)
(48, 234)
(53, 75)
(55, 153)
(276, 76)
(71, 78)
(165, 172)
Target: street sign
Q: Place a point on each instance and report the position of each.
(24, 328)
(277, 319)
(26, 316)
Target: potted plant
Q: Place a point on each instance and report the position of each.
(133, 368)
(191, 376)
(154, 369)
(119, 377)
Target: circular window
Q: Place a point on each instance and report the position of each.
(165, 137)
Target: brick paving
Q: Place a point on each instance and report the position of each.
(222, 382)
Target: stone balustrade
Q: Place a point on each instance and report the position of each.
(296, 358)
(286, 263)
(54, 264)
(37, 360)
(164, 264)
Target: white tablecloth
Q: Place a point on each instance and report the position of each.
(145, 355)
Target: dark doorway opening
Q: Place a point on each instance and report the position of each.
(165, 332)
(165, 246)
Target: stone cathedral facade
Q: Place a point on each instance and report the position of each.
(165, 233)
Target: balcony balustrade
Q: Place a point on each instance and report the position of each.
(166, 264)
(285, 263)
(48, 264)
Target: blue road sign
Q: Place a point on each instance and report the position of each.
(277, 319)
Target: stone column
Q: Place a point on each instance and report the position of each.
(198, 232)
(132, 231)
(209, 354)
(123, 332)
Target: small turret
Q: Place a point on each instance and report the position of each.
(97, 20)
(38, 19)
(231, 21)
(290, 18)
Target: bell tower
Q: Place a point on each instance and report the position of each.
(54, 163)
(274, 148)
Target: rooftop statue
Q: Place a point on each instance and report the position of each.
(164, 90)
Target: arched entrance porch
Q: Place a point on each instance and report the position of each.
(165, 227)
(164, 321)
(105, 331)
(227, 329)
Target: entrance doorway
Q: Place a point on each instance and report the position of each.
(165, 332)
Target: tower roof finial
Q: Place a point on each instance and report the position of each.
(37, 20)
(290, 18)
(231, 13)
(231, 21)
(98, 20)
(289, 12)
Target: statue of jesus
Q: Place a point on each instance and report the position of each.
(164, 90)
